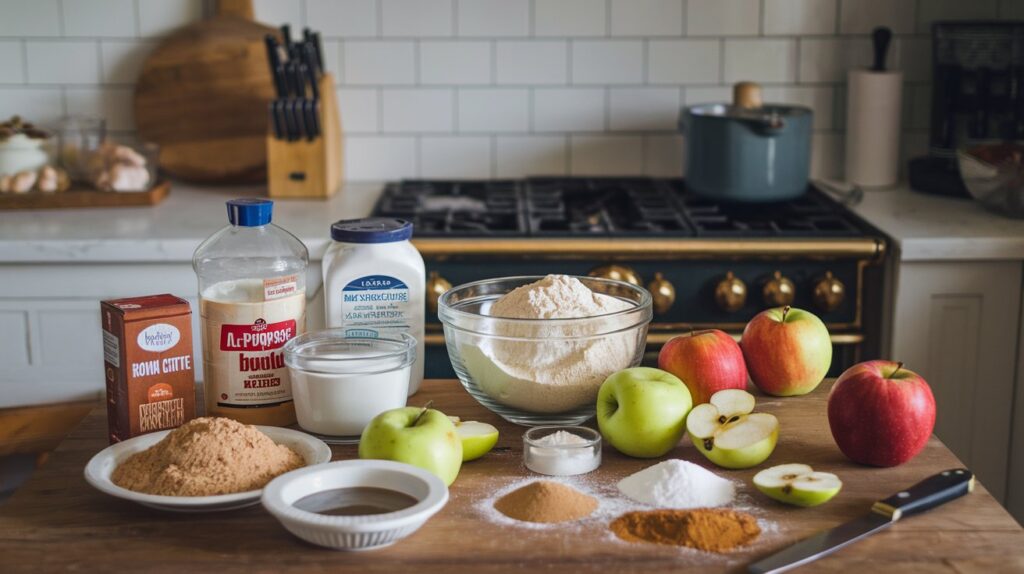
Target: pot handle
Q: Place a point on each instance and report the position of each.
(770, 124)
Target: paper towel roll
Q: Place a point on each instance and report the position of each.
(873, 103)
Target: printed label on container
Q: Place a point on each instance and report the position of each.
(375, 304)
(111, 349)
(280, 287)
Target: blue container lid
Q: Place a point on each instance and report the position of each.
(250, 211)
(371, 230)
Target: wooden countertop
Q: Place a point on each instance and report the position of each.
(57, 522)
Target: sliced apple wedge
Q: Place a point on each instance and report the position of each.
(477, 438)
(729, 434)
(798, 484)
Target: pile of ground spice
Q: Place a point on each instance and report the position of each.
(207, 456)
(708, 529)
(546, 501)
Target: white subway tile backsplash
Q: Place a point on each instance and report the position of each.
(374, 158)
(795, 17)
(113, 104)
(121, 60)
(417, 17)
(827, 155)
(455, 62)
(418, 110)
(29, 18)
(933, 10)
(606, 155)
(607, 62)
(663, 155)
(455, 157)
(683, 62)
(760, 60)
(379, 62)
(278, 12)
(568, 109)
(862, 16)
(523, 156)
(494, 110)
(332, 59)
(39, 105)
(158, 17)
(821, 60)
(647, 17)
(359, 108)
(12, 62)
(532, 62)
(493, 18)
(569, 17)
(643, 109)
(820, 99)
(63, 62)
(348, 18)
(706, 95)
(106, 18)
(723, 17)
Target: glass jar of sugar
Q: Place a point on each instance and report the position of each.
(375, 283)
(340, 383)
(561, 451)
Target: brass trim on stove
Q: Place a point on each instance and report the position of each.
(660, 338)
(661, 248)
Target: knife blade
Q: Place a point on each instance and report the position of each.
(929, 493)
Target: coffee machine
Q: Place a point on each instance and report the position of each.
(977, 97)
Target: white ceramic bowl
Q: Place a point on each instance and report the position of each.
(355, 532)
(100, 467)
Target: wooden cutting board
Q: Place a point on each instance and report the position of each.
(202, 95)
(56, 522)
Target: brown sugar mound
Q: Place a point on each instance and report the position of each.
(546, 501)
(204, 457)
(709, 529)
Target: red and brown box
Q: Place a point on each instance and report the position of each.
(147, 355)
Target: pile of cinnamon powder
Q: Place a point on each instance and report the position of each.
(204, 457)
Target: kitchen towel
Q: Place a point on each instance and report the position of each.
(873, 103)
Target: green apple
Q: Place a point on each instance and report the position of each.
(477, 438)
(729, 434)
(418, 436)
(798, 484)
(642, 411)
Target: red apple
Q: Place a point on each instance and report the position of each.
(788, 351)
(881, 413)
(706, 361)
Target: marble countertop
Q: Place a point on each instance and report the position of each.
(925, 228)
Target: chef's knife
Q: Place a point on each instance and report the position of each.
(925, 495)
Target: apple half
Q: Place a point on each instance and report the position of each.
(477, 438)
(729, 433)
(798, 484)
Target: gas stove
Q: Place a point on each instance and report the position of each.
(707, 264)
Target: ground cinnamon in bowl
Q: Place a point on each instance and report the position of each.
(708, 529)
(204, 457)
(546, 501)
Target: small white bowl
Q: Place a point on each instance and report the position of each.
(355, 532)
(100, 467)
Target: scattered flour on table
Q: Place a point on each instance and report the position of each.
(565, 372)
(677, 483)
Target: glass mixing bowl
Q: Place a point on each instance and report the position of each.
(541, 371)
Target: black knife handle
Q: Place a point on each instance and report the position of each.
(931, 492)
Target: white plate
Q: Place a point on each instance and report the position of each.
(100, 467)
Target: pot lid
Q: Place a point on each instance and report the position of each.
(747, 105)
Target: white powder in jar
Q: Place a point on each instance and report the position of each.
(562, 453)
(676, 483)
(521, 369)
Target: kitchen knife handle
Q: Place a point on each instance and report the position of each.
(931, 492)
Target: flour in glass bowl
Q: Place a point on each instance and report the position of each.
(560, 374)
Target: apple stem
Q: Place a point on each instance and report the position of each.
(899, 366)
(785, 311)
(422, 412)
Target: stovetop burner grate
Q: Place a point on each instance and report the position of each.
(602, 207)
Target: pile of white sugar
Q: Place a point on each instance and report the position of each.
(552, 366)
(676, 483)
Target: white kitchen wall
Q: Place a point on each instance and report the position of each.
(505, 88)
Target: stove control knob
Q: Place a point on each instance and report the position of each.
(617, 273)
(436, 286)
(731, 293)
(829, 292)
(779, 291)
(663, 294)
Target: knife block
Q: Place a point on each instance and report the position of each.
(308, 168)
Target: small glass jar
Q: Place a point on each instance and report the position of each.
(340, 383)
(562, 459)
(78, 137)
